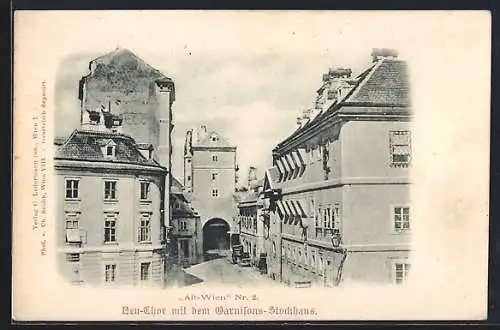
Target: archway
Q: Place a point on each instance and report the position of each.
(215, 235)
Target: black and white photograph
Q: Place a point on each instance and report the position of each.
(252, 165)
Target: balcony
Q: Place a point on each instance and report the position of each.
(76, 237)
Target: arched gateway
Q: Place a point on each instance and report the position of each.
(215, 235)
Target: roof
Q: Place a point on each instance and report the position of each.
(127, 69)
(384, 84)
(184, 208)
(87, 145)
(207, 141)
(176, 186)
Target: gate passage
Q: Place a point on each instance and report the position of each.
(215, 235)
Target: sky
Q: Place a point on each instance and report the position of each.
(246, 75)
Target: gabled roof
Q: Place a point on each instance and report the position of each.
(384, 84)
(86, 146)
(207, 141)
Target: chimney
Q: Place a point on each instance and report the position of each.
(381, 53)
(202, 132)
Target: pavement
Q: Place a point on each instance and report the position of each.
(220, 271)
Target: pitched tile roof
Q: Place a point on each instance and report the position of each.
(384, 83)
(86, 146)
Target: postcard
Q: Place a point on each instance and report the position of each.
(251, 165)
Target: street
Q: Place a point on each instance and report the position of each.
(221, 271)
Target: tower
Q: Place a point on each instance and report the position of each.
(209, 176)
(188, 158)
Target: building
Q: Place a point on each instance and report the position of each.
(121, 85)
(210, 178)
(187, 240)
(110, 208)
(251, 225)
(339, 186)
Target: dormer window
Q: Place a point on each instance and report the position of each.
(214, 138)
(109, 149)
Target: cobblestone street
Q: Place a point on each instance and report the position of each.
(221, 271)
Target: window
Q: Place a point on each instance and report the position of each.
(71, 189)
(72, 228)
(145, 191)
(215, 158)
(109, 190)
(189, 160)
(401, 272)
(189, 177)
(145, 228)
(110, 229)
(72, 257)
(215, 193)
(183, 226)
(145, 271)
(214, 138)
(214, 176)
(401, 218)
(400, 148)
(110, 151)
(110, 273)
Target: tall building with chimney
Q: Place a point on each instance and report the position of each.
(339, 188)
(210, 177)
(121, 86)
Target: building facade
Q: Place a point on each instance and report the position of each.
(339, 187)
(121, 85)
(210, 178)
(110, 209)
(187, 239)
(250, 221)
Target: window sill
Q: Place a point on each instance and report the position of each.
(145, 242)
(111, 243)
(401, 232)
(145, 201)
(73, 199)
(403, 165)
(111, 201)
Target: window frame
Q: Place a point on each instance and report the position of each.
(148, 190)
(72, 189)
(406, 268)
(144, 228)
(148, 272)
(215, 192)
(113, 230)
(111, 270)
(215, 158)
(393, 145)
(402, 221)
(114, 198)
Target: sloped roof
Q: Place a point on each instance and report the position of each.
(176, 186)
(121, 69)
(184, 210)
(122, 56)
(384, 83)
(86, 146)
(207, 141)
